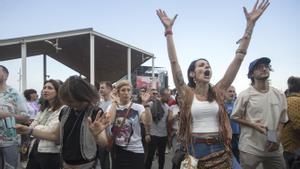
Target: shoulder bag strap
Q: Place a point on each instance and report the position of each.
(114, 134)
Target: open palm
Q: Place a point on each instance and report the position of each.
(145, 97)
(165, 20)
(257, 10)
(99, 124)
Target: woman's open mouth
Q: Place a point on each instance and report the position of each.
(207, 73)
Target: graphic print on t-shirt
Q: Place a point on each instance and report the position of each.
(125, 131)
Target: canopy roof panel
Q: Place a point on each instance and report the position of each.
(73, 50)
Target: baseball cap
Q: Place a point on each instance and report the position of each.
(252, 65)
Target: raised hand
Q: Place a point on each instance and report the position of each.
(257, 11)
(115, 97)
(165, 20)
(99, 124)
(145, 97)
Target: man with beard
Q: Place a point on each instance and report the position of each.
(261, 111)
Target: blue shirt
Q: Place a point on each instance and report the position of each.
(234, 125)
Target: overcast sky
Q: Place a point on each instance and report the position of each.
(203, 29)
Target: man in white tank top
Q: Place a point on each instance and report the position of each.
(261, 112)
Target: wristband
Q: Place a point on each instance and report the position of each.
(241, 51)
(147, 105)
(168, 32)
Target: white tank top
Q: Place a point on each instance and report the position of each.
(205, 116)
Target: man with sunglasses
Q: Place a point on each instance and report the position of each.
(261, 112)
(154, 93)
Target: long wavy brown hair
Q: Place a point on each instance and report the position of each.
(185, 134)
(57, 102)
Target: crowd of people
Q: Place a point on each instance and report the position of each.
(75, 126)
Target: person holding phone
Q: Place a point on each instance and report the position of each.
(12, 109)
(261, 111)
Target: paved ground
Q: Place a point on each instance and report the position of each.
(168, 162)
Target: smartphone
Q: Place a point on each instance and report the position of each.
(8, 122)
(272, 136)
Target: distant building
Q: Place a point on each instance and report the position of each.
(142, 77)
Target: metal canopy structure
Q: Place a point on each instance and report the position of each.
(94, 55)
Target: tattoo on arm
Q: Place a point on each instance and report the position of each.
(248, 32)
(179, 79)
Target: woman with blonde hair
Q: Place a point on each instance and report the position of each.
(127, 149)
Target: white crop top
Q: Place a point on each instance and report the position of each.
(205, 116)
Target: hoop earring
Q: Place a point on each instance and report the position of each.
(194, 80)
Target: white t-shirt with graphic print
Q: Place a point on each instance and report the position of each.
(129, 135)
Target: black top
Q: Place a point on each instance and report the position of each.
(71, 139)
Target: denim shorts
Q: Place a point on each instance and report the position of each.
(203, 149)
(199, 150)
